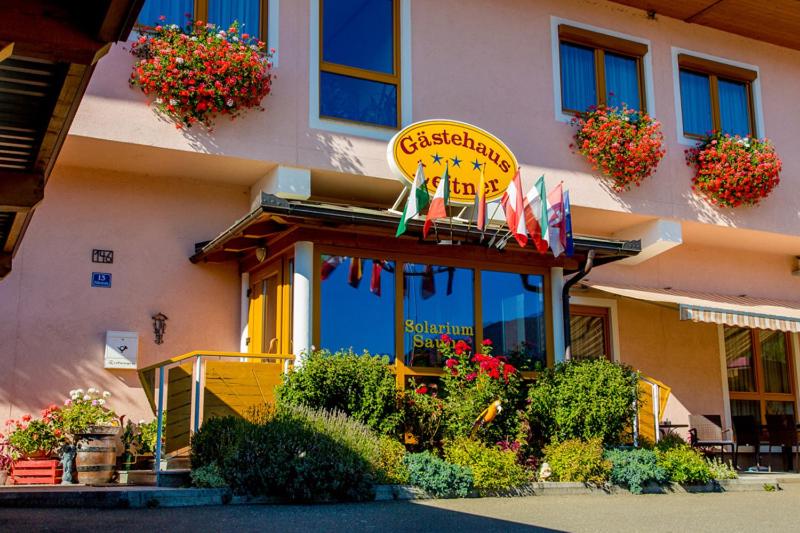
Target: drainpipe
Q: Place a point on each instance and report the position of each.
(585, 268)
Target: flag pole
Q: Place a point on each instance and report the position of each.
(496, 207)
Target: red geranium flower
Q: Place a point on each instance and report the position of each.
(446, 338)
(451, 362)
(487, 342)
(422, 389)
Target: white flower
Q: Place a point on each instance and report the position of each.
(194, 38)
(87, 397)
(92, 390)
(235, 39)
(229, 102)
(101, 402)
(79, 391)
(172, 101)
(174, 26)
(179, 60)
(106, 394)
(141, 421)
(159, 100)
(75, 395)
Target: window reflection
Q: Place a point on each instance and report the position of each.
(357, 301)
(513, 317)
(437, 300)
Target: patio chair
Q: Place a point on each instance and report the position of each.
(706, 433)
(746, 433)
(781, 431)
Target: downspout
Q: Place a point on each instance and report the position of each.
(585, 268)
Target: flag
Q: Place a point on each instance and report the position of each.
(354, 273)
(570, 246)
(480, 202)
(418, 199)
(438, 208)
(428, 283)
(536, 214)
(556, 220)
(329, 265)
(375, 279)
(514, 207)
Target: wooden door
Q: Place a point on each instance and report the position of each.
(268, 320)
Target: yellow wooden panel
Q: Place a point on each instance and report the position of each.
(179, 407)
(647, 428)
(232, 387)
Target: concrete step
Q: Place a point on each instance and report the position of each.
(109, 497)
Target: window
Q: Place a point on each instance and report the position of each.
(357, 304)
(251, 14)
(715, 97)
(759, 367)
(360, 61)
(513, 315)
(599, 69)
(589, 332)
(437, 300)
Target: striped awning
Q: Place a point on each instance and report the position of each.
(744, 311)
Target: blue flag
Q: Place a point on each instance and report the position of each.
(569, 249)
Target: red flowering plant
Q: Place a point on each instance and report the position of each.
(625, 145)
(199, 72)
(31, 438)
(732, 171)
(423, 413)
(472, 381)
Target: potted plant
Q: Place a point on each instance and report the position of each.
(93, 428)
(130, 437)
(31, 445)
(196, 73)
(624, 144)
(731, 171)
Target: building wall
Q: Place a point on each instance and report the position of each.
(489, 64)
(52, 334)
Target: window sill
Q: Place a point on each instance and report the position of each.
(346, 127)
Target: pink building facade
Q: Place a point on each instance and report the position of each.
(127, 180)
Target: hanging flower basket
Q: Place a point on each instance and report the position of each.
(625, 145)
(195, 74)
(732, 171)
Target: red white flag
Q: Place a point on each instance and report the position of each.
(329, 265)
(536, 215)
(557, 220)
(438, 207)
(514, 207)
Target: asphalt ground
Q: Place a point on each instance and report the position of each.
(731, 512)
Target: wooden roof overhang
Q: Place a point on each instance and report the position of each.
(48, 50)
(775, 21)
(277, 223)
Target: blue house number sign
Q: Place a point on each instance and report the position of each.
(101, 279)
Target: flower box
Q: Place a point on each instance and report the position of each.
(36, 472)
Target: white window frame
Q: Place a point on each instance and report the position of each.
(611, 305)
(647, 64)
(346, 127)
(755, 87)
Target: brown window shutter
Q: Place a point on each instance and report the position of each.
(600, 40)
(721, 70)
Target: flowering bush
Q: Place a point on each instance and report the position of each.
(472, 382)
(86, 408)
(625, 145)
(732, 171)
(198, 74)
(29, 437)
(424, 416)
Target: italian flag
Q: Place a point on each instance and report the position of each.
(438, 207)
(536, 218)
(418, 199)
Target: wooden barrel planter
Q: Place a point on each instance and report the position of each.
(96, 456)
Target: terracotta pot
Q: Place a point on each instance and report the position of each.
(96, 455)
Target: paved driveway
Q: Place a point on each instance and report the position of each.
(750, 512)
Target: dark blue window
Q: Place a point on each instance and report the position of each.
(358, 71)
(622, 80)
(356, 302)
(734, 107)
(246, 12)
(729, 112)
(174, 12)
(696, 103)
(578, 81)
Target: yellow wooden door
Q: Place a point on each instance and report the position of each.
(268, 320)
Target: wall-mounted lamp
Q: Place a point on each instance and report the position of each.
(159, 327)
(261, 254)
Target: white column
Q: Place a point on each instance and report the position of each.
(244, 314)
(302, 293)
(556, 286)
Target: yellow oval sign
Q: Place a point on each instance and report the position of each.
(463, 148)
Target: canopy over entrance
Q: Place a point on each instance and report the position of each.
(744, 311)
(275, 219)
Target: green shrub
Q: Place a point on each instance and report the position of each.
(299, 453)
(720, 469)
(670, 440)
(390, 467)
(584, 399)
(423, 415)
(437, 476)
(208, 476)
(362, 386)
(635, 468)
(684, 465)
(492, 468)
(577, 460)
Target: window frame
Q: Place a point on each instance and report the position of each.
(601, 43)
(363, 74)
(404, 371)
(760, 395)
(200, 12)
(576, 310)
(716, 70)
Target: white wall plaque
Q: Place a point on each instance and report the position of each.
(122, 349)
